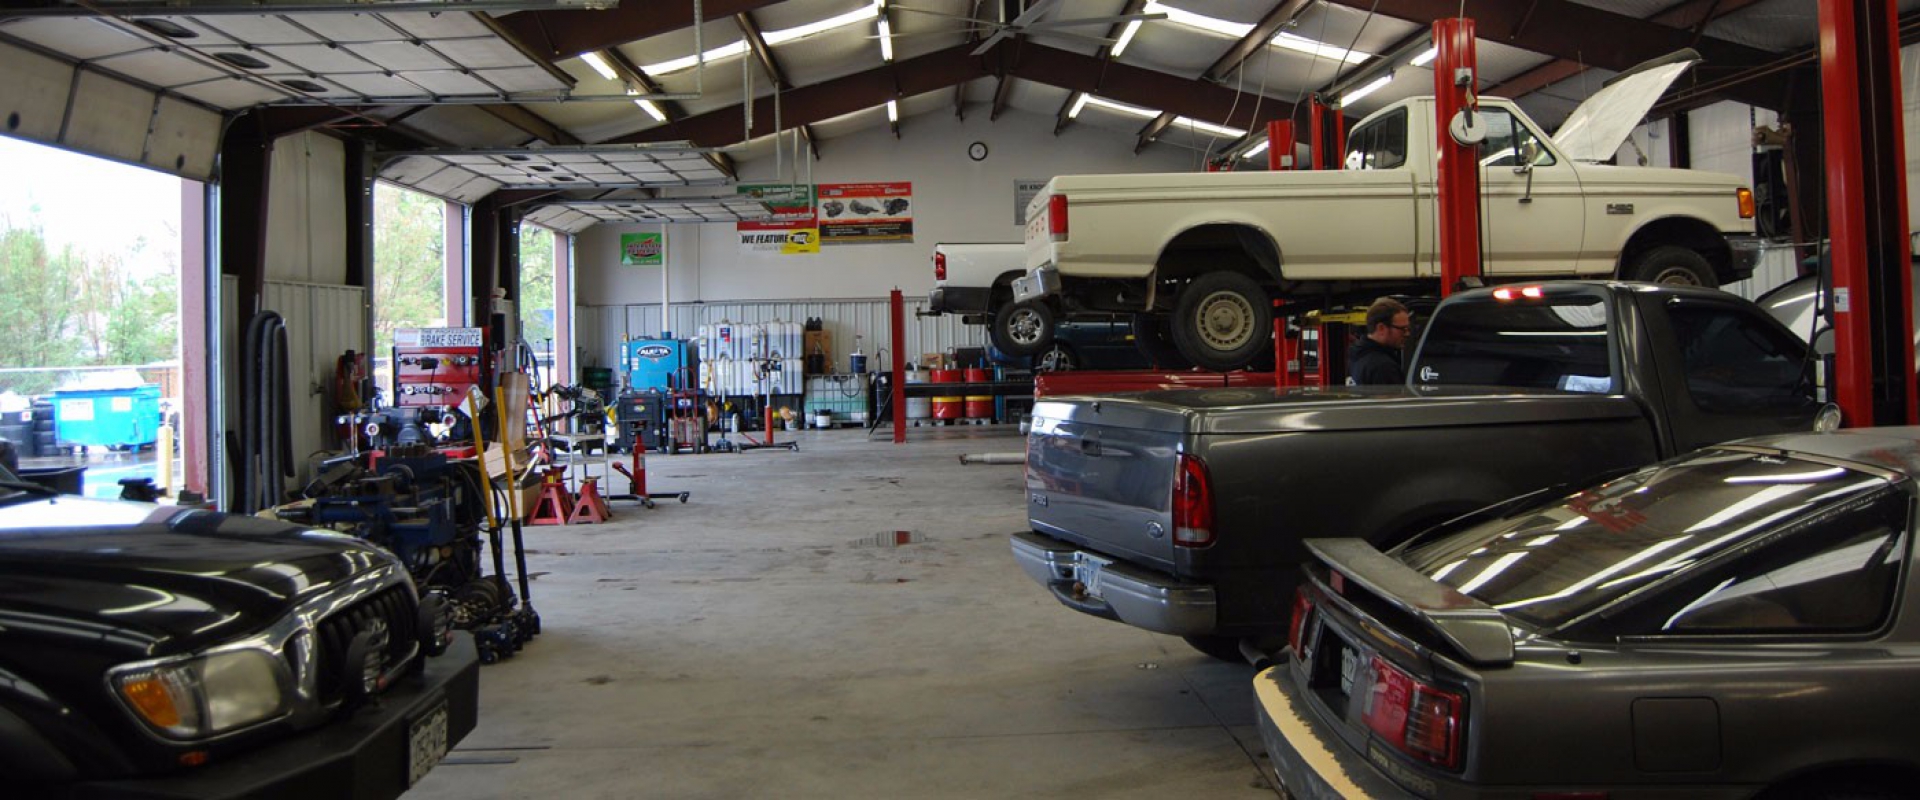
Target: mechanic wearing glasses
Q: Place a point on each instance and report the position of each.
(1375, 360)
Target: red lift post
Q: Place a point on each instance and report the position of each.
(1455, 90)
(1867, 212)
(1280, 144)
(898, 383)
(1329, 135)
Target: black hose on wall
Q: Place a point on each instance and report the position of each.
(266, 430)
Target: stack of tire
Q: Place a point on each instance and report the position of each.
(32, 431)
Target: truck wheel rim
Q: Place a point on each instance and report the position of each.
(1676, 276)
(1024, 327)
(1224, 320)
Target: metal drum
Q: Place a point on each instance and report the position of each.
(946, 407)
(978, 406)
(918, 408)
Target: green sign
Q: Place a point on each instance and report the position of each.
(643, 249)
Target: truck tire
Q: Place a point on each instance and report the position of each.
(1673, 265)
(1221, 321)
(1150, 338)
(1022, 329)
(1225, 648)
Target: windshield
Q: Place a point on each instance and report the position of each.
(1555, 562)
(1556, 342)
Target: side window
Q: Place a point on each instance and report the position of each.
(1379, 144)
(1833, 574)
(1735, 362)
(1509, 142)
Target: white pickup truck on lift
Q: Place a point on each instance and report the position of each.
(1214, 249)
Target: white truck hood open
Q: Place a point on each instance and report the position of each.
(1595, 130)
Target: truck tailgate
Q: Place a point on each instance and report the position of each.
(1100, 473)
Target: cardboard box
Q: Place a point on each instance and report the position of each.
(933, 361)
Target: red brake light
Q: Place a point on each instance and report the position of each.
(1192, 504)
(1417, 719)
(939, 266)
(1509, 293)
(1057, 217)
(1302, 606)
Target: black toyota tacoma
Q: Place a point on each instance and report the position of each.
(156, 651)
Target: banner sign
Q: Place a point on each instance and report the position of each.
(792, 228)
(866, 213)
(1023, 193)
(643, 249)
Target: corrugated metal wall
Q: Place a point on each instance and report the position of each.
(601, 329)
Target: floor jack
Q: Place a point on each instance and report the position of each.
(755, 444)
(637, 483)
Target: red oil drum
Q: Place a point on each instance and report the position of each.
(946, 407)
(979, 406)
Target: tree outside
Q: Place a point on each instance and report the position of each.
(80, 308)
(535, 300)
(409, 266)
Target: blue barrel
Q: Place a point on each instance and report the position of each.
(127, 417)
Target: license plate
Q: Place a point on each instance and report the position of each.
(1086, 570)
(426, 743)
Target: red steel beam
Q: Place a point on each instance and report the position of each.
(1459, 165)
(1867, 212)
(555, 35)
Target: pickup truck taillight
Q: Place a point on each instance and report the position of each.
(1417, 719)
(1302, 606)
(1192, 504)
(939, 266)
(1745, 197)
(1057, 218)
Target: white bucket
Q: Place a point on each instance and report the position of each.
(823, 419)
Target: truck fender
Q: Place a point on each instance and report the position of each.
(1688, 232)
(1251, 240)
(26, 756)
(1408, 507)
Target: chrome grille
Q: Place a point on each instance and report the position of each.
(396, 606)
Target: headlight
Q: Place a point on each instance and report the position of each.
(204, 696)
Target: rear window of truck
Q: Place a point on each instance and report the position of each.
(1548, 343)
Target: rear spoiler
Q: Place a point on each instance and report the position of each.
(1475, 629)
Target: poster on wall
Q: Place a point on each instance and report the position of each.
(1024, 190)
(866, 213)
(643, 249)
(791, 230)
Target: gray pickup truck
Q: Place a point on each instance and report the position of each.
(1183, 512)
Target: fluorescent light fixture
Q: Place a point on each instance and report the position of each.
(1201, 21)
(726, 51)
(1312, 47)
(1077, 105)
(893, 111)
(853, 17)
(599, 65)
(1126, 37)
(1256, 149)
(1208, 127)
(1121, 107)
(886, 41)
(1426, 57)
(651, 109)
(1375, 85)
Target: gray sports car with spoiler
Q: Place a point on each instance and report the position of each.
(1736, 622)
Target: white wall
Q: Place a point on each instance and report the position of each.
(307, 210)
(955, 200)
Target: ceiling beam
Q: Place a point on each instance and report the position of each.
(758, 43)
(637, 78)
(555, 35)
(1062, 118)
(1263, 31)
(1207, 102)
(1692, 15)
(1151, 131)
(1571, 31)
(1002, 92)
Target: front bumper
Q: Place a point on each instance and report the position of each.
(1311, 761)
(1746, 252)
(1039, 283)
(1137, 597)
(365, 755)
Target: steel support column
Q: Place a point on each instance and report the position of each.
(1329, 135)
(1280, 144)
(1867, 212)
(246, 161)
(1458, 171)
(897, 315)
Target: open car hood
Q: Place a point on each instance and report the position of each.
(1595, 130)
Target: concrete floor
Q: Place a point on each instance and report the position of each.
(758, 642)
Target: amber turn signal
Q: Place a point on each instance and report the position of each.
(1745, 196)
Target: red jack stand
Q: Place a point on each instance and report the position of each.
(554, 505)
(637, 482)
(590, 507)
